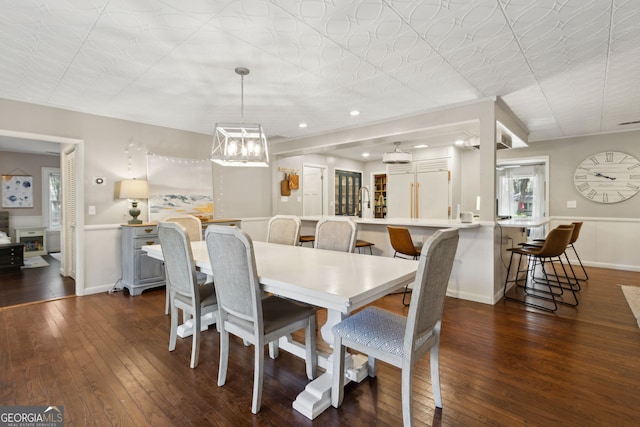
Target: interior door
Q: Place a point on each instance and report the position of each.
(312, 191)
(69, 215)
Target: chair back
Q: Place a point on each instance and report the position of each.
(430, 288)
(192, 224)
(336, 234)
(401, 241)
(284, 230)
(576, 232)
(234, 273)
(178, 258)
(556, 241)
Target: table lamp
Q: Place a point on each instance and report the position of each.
(134, 189)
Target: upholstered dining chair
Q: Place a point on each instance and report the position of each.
(398, 340)
(336, 234)
(185, 293)
(284, 230)
(245, 312)
(193, 226)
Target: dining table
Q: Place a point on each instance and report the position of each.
(338, 281)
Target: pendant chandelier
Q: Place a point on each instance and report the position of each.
(240, 144)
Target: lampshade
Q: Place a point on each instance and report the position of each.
(239, 144)
(134, 189)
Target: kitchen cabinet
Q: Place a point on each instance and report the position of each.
(418, 190)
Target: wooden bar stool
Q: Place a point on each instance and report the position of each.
(364, 244)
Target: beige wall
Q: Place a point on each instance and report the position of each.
(27, 164)
(564, 157)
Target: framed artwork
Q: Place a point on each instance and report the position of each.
(17, 191)
(179, 186)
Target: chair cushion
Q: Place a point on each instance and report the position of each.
(374, 328)
(277, 312)
(207, 296)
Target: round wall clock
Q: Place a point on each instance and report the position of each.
(608, 177)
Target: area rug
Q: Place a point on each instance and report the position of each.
(56, 255)
(632, 294)
(33, 262)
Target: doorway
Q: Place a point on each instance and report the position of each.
(72, 234)
(313, 190)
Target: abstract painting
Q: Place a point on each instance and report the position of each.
(17, 191)
(179, 186)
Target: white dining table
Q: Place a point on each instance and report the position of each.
(340, 282)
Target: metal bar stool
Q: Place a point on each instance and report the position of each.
(541, 257)
(307, 239)
(364, 244)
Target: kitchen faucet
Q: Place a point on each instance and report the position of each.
(361, 200)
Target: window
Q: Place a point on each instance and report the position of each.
(347, 187)
(52, 198)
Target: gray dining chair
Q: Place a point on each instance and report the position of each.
(184, 291)
(398, 340)
(336, 234)
(284, 230)
(193, 226)
(244, 311)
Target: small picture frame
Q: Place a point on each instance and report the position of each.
(17, 191)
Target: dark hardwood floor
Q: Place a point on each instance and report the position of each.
(104, 357)
(31, 285)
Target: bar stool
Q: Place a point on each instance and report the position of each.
(307, 239)
(364, 244)
(574, 236)
(402, 244)
(540, 256)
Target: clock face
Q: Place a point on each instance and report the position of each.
(608, 177)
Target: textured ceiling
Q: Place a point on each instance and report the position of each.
(563, 67)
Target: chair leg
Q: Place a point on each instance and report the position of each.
(372, 366)
(407, 386)
(174, 328)
(404, 296)
(167, 301)
(310, 348)
(584, 271)
(337, 388)
(435, 367)
(224, 356)
(257, 375)
(195, 344)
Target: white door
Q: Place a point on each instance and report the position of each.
(432, 193)
(312, 191)
(69, 215)
(400, 191)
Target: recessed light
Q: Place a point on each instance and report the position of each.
(420, 146)
(302, 125)
(355, 113)
(365, 154)
(459, 142)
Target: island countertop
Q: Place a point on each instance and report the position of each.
(405, 222)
